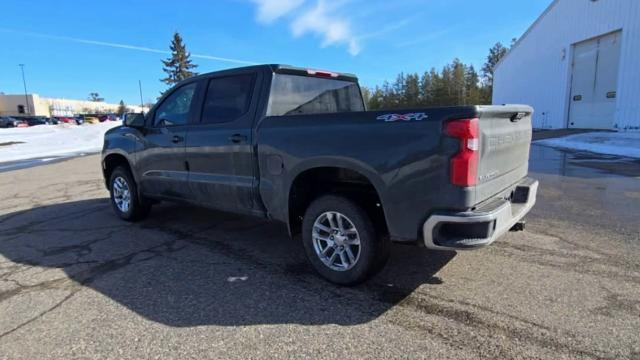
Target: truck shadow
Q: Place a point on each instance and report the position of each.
(185, 266)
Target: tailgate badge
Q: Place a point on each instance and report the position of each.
(403, 117)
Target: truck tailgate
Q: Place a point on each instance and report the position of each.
(505, 139)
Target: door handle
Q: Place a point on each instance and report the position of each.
(237, 138)
(177, 139)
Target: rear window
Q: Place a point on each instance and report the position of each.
(227, 98)
(293, 94)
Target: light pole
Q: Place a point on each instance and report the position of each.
(26, 97)
(141, 102)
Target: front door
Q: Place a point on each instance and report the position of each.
(219, 150)
(594, 83)
(161, 162)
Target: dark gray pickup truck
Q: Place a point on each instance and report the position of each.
(297, 146)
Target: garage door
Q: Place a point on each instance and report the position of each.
(594, 82)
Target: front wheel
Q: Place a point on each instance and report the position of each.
(126, 202)
(341, 242)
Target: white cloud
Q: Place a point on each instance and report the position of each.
(322, 20)
(329, 20)
(270, 10)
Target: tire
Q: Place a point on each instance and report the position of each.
(331, 248)
(138, 208)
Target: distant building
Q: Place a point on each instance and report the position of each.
(35, 105)
(577, 65)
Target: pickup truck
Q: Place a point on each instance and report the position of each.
(297, 146)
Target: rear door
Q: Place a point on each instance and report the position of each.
(219, 148)
(161, 163)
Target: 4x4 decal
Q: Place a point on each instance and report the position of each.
(402, 117)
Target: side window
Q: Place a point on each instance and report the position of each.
(174, 110)
(227, 98)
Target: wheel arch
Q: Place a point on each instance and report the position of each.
(353, 181)
(112, 161)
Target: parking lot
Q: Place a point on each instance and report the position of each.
(191, 283)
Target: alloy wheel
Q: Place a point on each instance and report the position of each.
(121, 194)
(336, 241)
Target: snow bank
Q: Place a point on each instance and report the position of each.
(611, 143)
(52, 140)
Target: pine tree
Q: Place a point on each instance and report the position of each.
(427, 87)
(398, 90)
(495, 54)
(178, 67)
(122, 109)
(443, 90)
(411, 96)
(375, 100)
(455, 84)
(472, 82)
(458, 82)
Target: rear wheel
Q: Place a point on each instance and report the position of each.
(341, 242)
(126, 202)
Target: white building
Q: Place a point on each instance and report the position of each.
(578, 65)
(35, 105)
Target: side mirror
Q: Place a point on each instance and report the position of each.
(134, 120)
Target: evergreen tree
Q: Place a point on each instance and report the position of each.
(411, 96)
(458, 85)
(455, 84)
(122, 109)
(442, 87)
(426, 88)
(375, 100)
(472, 82)
(178, 67)
(497, 52)
(398, 91)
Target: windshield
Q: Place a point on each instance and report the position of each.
(294, 94)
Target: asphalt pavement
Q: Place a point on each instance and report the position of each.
(76, 282)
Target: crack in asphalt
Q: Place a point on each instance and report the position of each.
(39, 316)
(83, 278)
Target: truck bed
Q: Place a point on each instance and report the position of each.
(405, 154)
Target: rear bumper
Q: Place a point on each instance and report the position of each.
(482, 226)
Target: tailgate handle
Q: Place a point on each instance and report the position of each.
(517, 116)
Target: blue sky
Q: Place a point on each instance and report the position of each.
(71, 48)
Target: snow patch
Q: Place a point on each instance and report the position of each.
(611, 143)
(53, 140)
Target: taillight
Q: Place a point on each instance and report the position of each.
(464, 164)
(322, 73)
